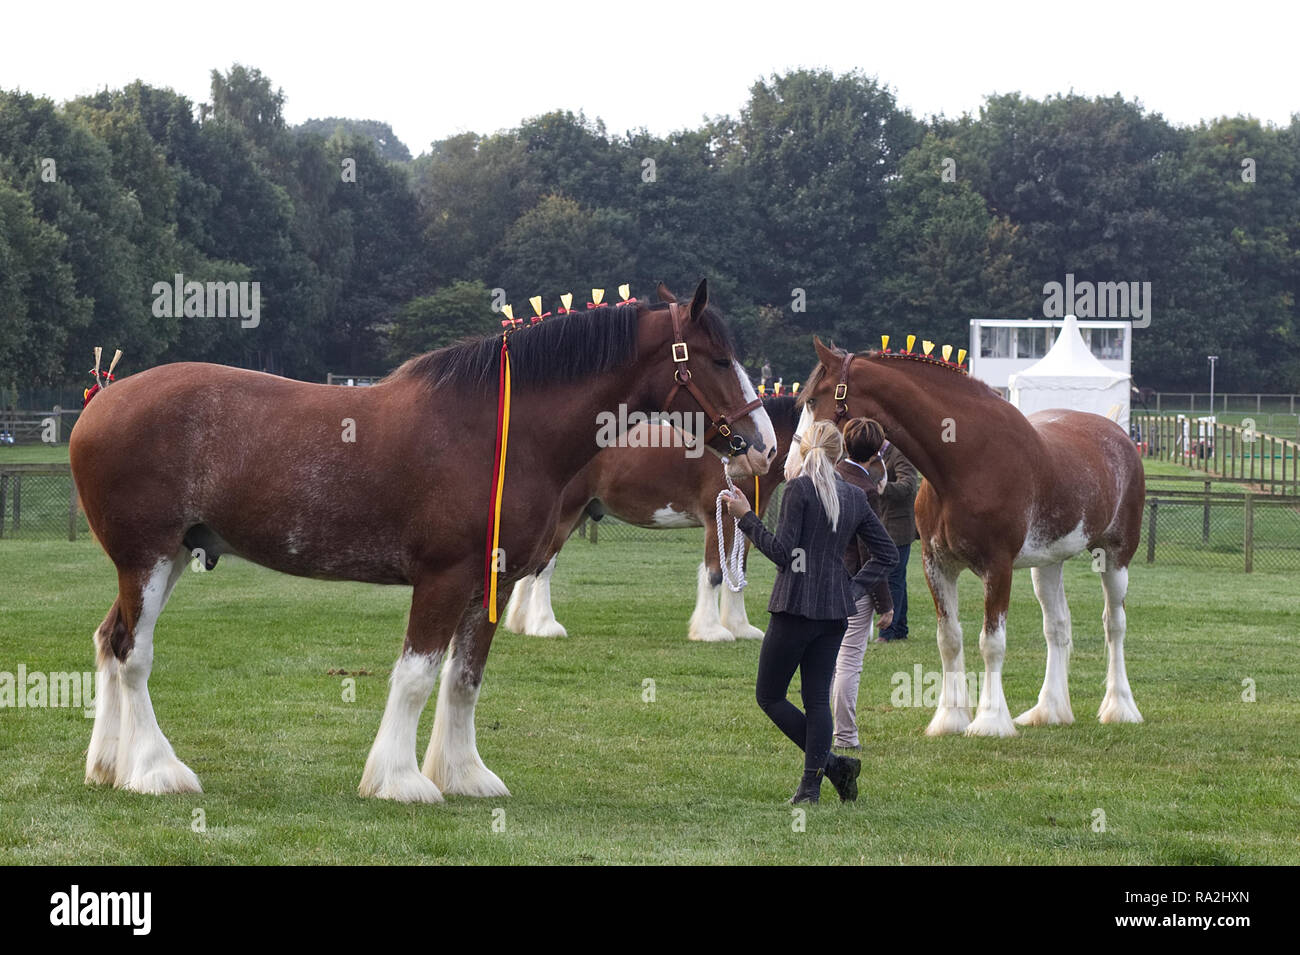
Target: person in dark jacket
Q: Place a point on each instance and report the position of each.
(863, 439)
(812, 600)
(898, 514)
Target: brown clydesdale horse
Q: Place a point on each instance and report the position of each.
(388, 484)
(1001, 491)
(659, 487)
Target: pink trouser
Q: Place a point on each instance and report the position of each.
(848, 673)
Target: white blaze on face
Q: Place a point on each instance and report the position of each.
(794, 458)
(757, 460)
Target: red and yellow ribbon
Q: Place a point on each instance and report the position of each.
(498, 484)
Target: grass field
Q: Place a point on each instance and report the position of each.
(241, 688)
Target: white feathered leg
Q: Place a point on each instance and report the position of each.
(706, 624)
(541, 615)
(1053, 707)
(952, 715)
(1117, 706)
(452, 760)
(145, 761)
(516, 618)
(101, 757)
(390, 771)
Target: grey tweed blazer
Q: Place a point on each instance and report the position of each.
(811, 580)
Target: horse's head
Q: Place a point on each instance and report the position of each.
(701, 374)
(825, 396)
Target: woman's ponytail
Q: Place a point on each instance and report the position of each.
(823, 447)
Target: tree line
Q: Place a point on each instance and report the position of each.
(822, 208)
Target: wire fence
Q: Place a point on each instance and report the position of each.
(37, 501)
(1206, 527)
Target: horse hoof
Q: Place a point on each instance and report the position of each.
(408, 786)
(472, 780)
(1116, 709)
(746, 632)
(1045, 715)
(712, 635)
(552, 629)
(169, 776)
(100, 772)
(948, 721)
(992, 724)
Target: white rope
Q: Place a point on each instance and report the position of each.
(733, 567)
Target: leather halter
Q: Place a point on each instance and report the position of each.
(842, 389)
(718, 423)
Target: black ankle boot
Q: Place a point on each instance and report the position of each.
(843, 771)
(810, 789)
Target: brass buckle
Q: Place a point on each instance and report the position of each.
(841, 391)
(681, 355)
(724, 431)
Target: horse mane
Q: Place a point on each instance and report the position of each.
(782, 408)
(973, 386)
(560, 349)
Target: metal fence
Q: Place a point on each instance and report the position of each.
(39, 501)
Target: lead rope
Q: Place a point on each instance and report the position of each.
(733, 567)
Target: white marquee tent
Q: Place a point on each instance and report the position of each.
(1070, 376)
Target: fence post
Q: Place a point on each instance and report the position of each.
(1205, 517)
(1151, 532)
(72, 509)
(595, 532)
(18, 502)
(1250, 533)
(4, 493)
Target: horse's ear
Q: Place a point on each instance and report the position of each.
(701, 300)
(825, 355)
(664, 294)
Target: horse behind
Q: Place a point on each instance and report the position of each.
(650, 482)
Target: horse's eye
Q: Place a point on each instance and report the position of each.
(722, 362)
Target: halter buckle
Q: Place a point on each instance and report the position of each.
(680, 352)
(724, 430)
(841, 391)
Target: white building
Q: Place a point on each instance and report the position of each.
(1000, 348)
(1071, 376)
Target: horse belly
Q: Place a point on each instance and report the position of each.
(1042, 548)
(669, 516)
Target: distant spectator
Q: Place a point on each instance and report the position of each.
(898, 514)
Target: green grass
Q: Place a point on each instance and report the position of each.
(34, 454)
(699, 775)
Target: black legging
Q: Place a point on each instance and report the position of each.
(811, 646)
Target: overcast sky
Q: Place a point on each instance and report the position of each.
(434, 70)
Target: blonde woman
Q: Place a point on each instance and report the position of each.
(812, 600)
